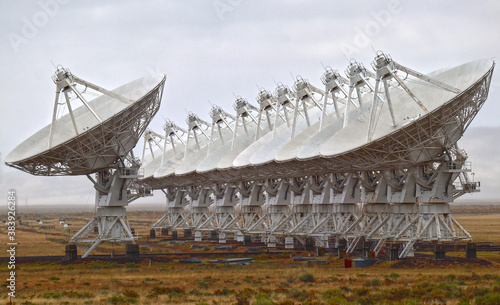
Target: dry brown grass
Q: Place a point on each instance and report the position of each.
(266, 281)
(35, 241)
(483, 228)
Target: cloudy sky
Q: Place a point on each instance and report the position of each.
(212, 50)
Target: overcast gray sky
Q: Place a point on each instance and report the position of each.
(212, 50)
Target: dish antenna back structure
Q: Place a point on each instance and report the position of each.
(370, 156)
(95, 138)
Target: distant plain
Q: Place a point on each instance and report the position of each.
(273, 278)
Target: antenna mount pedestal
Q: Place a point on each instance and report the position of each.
(112, 196)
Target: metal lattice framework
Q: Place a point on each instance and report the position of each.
(98, 147)
(96, 138)
(421, 140)
(391, 178)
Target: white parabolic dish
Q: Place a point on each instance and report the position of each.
(97, 144)
(420, 134)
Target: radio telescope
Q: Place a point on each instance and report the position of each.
(370, 156)
(95, 138)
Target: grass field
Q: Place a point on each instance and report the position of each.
(36, 241)
(269, 280)
(266, 281)
(483, 228)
